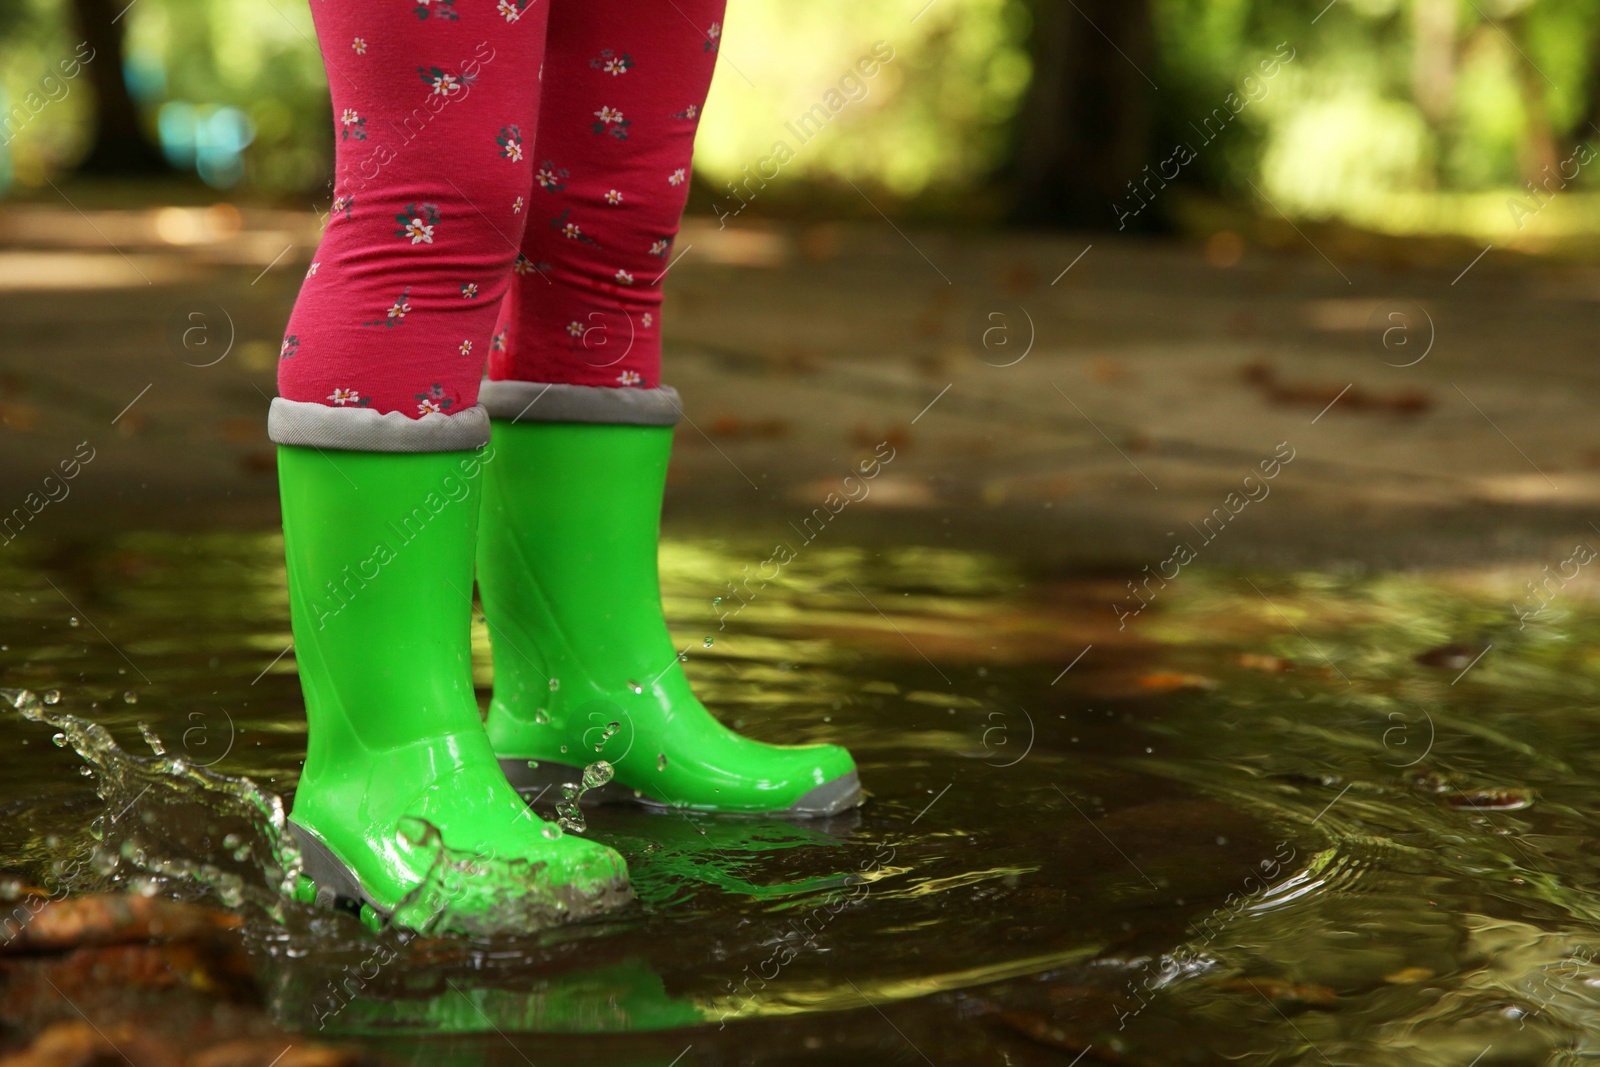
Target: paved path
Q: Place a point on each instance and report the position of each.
(1043, 396)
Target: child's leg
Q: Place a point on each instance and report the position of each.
(624, 82)
(434, 112)
(584, 666)
(376, 427)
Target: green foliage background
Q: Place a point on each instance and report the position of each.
(1403, 115)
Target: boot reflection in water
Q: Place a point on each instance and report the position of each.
(508, 185)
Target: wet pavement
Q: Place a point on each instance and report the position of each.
(1221, 689)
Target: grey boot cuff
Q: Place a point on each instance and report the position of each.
(537, 402)
(294, 422)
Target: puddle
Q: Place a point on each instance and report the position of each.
(1281, 816)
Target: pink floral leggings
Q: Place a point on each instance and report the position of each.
(509, 181)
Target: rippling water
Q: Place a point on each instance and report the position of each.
(1285, 817)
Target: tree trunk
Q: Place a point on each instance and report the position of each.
(119, 144)
(1084, 131)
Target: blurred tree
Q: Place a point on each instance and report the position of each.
(1084, 129)
(118, 143)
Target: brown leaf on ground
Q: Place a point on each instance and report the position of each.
(1163, 681)
(1320, 395)
(215, 969)
(112, 919)
(265, 1052)
(1265, 664)
(80, 1044)
(1406, 975)
(1318, 996)
(898, 437)
(735, 428)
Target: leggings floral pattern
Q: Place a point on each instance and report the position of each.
(508, 185)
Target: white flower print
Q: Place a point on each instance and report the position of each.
(659, 247)
(715, 31)
(575, 329)
(623, 277)
(311, 270)
(344, 396)
(523, 264)
(429, 407)
(629, 377)
(648, 318)
(549, 177)
(608, 115)
(516, 206)
(508, 11)
(571, 230)
(613, 197)
(615, 65)
(676, 177)
(419, 232)
(360, 45)
(445, 84)
(397, 310)
(466, 348)
(510, 141)
(469, 290)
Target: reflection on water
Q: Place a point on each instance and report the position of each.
(1294, 818)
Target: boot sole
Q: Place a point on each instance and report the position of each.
(338, 887)
(533, 783)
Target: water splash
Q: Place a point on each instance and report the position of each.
(568, 812)
(163, 820)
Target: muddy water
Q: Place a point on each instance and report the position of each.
(1289, 817)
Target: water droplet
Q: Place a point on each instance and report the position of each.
(661, 761)
(683, 657)
(706, 643)
(231, 841)
(59, 740)
(152, 740)
(551, 831)
(563, 748)
(73, 621)
(541, 716)
(53, 697)
(572, 819)
(635, 687)
(86, 771)
(104, 862)
(715, 601)
(555, 683)
(597, 774)
(533, 765)
(130, 697)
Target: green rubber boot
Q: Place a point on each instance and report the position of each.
(402, 812)
(585, 669)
